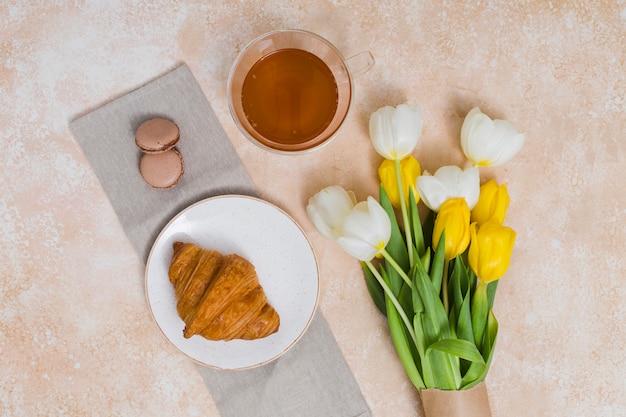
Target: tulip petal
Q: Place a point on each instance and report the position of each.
(366, 230)
(509, 142)
(490, 250)
(493, 203)
(469, 143)
(468, 186)
(407, 125)
(431, 191)
(357, 248)
(387, 176)
(395, 131)
(449, 181)
(409, 171)
(380, 219)
(482, 146)
(320, 224)
(450, 176)
(381, 131)
(454, 218)
(368, 221)
(328, 208)
(488, 142)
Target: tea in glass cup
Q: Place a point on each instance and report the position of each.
(290, 90)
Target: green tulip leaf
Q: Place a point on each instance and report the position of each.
(405, 298)
(440, 367)
(396, 247)
(416, 223)
(458, 347)
(455, 292)
(435, 326)
(384, 275)
(436, 269)
(402, 345)
(471, 279)
(492, 334)
(418, 305)
(373, 287)
(452, 321)
(426, 260)
(427, 228)
(419, 335)
(464, 328)
(464, 274)
(435, 316)
(480, 310)
(491, 292)
(477, 372)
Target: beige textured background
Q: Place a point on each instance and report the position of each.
(76, 336)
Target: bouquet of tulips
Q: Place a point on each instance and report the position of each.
(435, 279)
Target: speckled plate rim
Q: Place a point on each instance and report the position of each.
(262, 233)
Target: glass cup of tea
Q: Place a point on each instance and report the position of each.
(289, 91)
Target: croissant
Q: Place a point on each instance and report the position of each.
(219, 297)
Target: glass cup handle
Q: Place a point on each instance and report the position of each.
(360, 63)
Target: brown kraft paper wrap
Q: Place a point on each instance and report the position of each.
(473, 402)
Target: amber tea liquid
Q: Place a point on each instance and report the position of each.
(289, 96)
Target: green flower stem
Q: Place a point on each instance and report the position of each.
(444, 286)
(394, 300)
(395, 266)
(405, 216)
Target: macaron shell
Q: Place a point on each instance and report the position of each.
(162, 170)
(157, 135)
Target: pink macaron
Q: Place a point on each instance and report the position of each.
(157, 135)
(162, 170)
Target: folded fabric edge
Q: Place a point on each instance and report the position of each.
(90, 109)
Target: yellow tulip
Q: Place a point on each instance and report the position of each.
(490, 250)
(410, 169)
(454, 218)
(493, 202)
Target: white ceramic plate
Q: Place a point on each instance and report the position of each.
(277, 247)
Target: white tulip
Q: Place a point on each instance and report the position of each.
(328, 208)
(395, 131)
(449, 182)
(366, 230)
(488, 142)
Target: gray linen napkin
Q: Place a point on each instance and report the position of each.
(310, 380)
